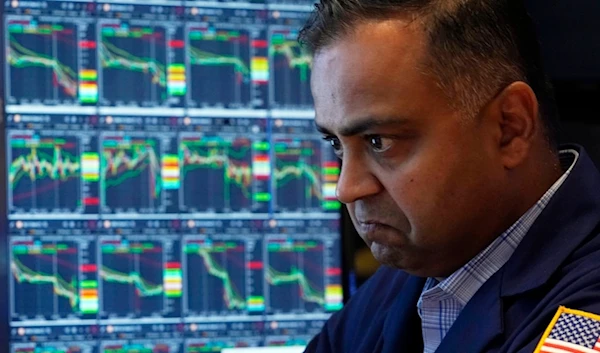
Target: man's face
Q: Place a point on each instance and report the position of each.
(420, 180)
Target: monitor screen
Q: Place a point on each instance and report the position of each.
(166, 190)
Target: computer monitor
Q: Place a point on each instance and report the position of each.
(165, 188)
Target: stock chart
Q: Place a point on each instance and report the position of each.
(228, 168)
(140, 276)
(45, 173)
(295, 275)
(302, 268)
(54, 279)
(290, 70)
(220, 65)
(51, 171)
(131, 163)
(297, 174)
(228, 59)
(306, 170)
(142, 64)
(166, 190)
(56, 54)
(226, 275)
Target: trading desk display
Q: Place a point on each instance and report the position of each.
(166, 189)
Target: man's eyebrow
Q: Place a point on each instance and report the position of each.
(322, 129)
(365, 124)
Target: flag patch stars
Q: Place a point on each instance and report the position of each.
(571, 331)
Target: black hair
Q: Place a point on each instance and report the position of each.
(475, 47)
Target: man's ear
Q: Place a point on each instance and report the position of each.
(518, 118)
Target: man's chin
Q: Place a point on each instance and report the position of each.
(400, 259)
(387, 255)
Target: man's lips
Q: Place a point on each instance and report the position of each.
(370, 228)
(379, 232)
(370, 225)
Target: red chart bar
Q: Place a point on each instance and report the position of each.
(255, 265)
(260, 43)
(89, 268)
(173, 265)
(87, 44)
(91, 201)
(177, 44)
(333, 271)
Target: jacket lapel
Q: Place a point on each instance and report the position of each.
(568, 219)
(402, 328)
(479, 322)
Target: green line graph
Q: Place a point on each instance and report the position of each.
(296, 271)
(22, 58)
(124, 160)
(198, 56)
(296, 56)
(294, 161)
(113, 57)
(233, 160)
(143, 287)
(61, 287)
(231, 295)
(286, 172)
(134, 276)
(295, 275)
(36, 163)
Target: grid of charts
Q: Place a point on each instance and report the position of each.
(166, 188)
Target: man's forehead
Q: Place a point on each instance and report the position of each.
(367, 56)
(367, 79)
(349, 126)
(394, 33)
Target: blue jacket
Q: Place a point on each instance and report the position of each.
(557, 263)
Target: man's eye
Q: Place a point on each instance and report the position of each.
(380, 144)
(335, 143)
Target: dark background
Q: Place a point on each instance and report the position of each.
(569, 33)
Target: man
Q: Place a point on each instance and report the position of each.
(451, 173)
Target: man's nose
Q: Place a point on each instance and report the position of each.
(356, 181)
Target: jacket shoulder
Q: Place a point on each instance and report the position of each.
(575, 285)
(360, 322)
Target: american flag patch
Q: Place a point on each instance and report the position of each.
(571, 331)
